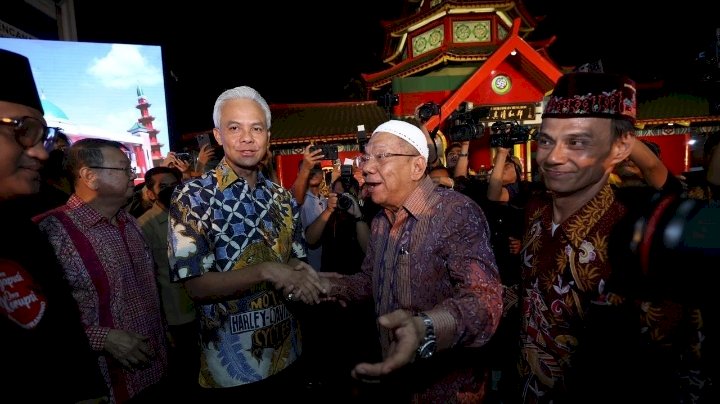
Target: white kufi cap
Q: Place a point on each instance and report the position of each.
(408, 132)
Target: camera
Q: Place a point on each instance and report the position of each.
(507, 134)
(345, 201)
(330, 152)
(346, 171)
(427, 111)
(388, 100)
(346, 176)
(186, 157)
(665, 235)
(466, 123)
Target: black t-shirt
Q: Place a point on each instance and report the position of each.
(46, 355)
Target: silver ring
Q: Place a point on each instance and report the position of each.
(290, 296)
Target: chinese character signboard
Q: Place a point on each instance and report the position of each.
(511, 113)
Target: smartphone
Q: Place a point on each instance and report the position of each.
(330, 152)
(203, 139)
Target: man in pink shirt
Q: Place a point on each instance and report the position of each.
(110, 268)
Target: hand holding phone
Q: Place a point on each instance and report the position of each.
(329, 152)
(203, 139)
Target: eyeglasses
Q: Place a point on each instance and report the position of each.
(30, 131)
(380, 158)
(130, 171)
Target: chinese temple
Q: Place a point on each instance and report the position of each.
(467, 55)
(448, 52)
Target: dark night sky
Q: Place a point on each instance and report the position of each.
(286, 58)
(290, 59)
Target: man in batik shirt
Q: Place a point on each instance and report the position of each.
(236, 242)
(431, 273)
(587, 331)
(110, 269)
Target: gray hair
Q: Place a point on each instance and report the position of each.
(243, 92)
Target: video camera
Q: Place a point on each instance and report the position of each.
(466, 122)
(507, 134)
(674, 241)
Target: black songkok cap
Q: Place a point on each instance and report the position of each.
(19, 86)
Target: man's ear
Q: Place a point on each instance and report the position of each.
(622, 147)
(149, 194)
(216, 134)
(419, 166)
(88, 177)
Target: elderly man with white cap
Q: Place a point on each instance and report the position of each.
(431, 272)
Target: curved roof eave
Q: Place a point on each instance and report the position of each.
(441, 58)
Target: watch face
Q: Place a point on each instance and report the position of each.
(427, 349)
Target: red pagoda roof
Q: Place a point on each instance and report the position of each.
(536, 68)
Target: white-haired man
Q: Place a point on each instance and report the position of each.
(237, 244)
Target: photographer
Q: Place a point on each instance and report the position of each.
(328, 329)
(505, 209)
(423, 113)
(504, 181)
(311, 158)
(342, 217)
(462, 162)
(181, 161)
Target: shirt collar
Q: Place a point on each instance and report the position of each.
(225, 176)
(87, 217)
(579, 224)
(416, 202)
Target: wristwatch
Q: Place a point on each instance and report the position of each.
(428, 344)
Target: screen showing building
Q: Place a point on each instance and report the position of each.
(102, 90)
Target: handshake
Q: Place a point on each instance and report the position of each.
(298, 281)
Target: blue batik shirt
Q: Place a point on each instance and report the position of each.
(218, 223)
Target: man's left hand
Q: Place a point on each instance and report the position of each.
(407, 331)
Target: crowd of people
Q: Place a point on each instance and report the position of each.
(404, 279)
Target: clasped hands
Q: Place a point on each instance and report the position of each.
(407, 330)
(300, 283)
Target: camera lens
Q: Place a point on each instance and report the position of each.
(428, 110)
(344, 202)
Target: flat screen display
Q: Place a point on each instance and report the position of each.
(102, 90)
